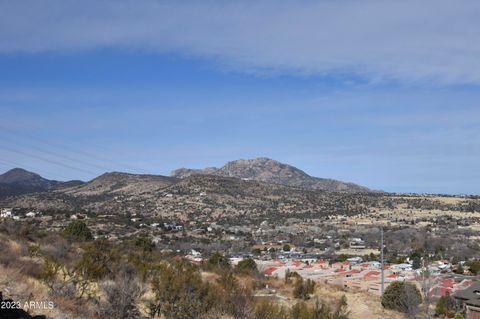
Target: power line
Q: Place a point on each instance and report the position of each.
(44, 173)
(49, 161)
(73, 150)
(68, 158)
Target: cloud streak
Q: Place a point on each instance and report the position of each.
(432, 41)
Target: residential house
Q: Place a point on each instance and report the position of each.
(6, 212)
(469, 299)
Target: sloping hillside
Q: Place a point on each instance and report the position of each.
(271, 171)
(121, 183)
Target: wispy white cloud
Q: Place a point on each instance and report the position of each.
(430, 41)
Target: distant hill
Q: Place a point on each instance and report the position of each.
(253, 187)
(192, 198)
(121, 183)
(19, 176)
(19, 181)
(271, 171)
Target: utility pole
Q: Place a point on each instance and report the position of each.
(382, 261)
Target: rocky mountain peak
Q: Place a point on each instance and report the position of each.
(271, 171)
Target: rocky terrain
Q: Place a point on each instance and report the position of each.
(259, 193)
(271, 171)
(193, 197)
(254, 187)
(121, 183)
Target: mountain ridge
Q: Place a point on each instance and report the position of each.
(19, 181)
(118, 182)
(24, 177)
(271, 171)
(265, 170)
(192, 198)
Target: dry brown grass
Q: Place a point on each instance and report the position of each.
(362, 305)
(21, 288)
(19, 273)
(208, 276)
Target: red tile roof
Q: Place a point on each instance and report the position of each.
(269, 271)
(448, 282)
(372, 273)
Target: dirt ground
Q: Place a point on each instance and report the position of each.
(21, 289)
(362, 305)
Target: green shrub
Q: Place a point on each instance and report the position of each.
(303, 289)
(474, 266)
(98, 260)
(402, 296)
(77, 229)
(246, 267)
(50, 270)
(234, 299)
(289, 275)
(445, 305)
(416, 264)
(459, 269)
(218, 261)
(33, 250)
(179, 291)
(145, 244)
(256, 251)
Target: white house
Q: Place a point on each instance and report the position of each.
(355, 260)
(30, 214)
(195, 253)
(6, 212)
(401, 266)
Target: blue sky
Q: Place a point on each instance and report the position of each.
(378, 93)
